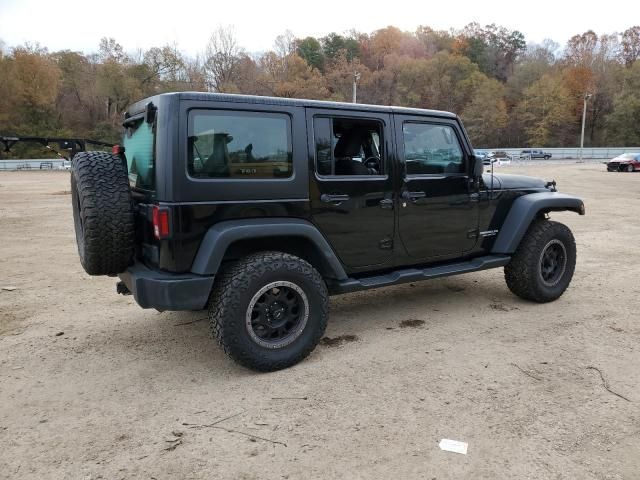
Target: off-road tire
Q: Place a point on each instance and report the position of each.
(230, 299)
(102, 212)
(523, 273)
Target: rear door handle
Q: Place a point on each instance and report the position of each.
(386, 203)
(413, 196)
(336, 199)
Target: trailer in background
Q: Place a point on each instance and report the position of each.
(70, 146)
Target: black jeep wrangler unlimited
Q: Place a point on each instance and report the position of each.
(259, 208)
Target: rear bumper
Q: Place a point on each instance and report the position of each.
(167, 291)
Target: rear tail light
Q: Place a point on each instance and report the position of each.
(160, 219)
(117, 150)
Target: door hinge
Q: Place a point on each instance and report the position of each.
(386, 243)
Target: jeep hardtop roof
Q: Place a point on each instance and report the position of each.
(260, 100)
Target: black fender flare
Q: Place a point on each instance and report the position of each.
(525, 209)
(222, 234)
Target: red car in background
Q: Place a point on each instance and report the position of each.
(627, 162)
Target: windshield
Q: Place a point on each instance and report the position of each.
(139, 143)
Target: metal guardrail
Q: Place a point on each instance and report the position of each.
(33, 164)
(600, 153)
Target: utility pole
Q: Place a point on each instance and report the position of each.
(587, 96)
(356, 77)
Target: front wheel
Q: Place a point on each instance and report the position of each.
(542, 266)
(268, 310)
(630, 168)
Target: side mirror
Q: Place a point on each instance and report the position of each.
(477, 168)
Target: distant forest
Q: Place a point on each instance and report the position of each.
(509, 93)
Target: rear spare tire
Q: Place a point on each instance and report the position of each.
(102, 212)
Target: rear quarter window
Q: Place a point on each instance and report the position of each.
(239, 144)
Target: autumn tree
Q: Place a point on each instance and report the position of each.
(37, 78)
(378, 45)
(581, 49)
(537, 60)
(449, 82)
(493, 48)
(545, 111)
(285, 44)
(591, 66)
(434, 41)
(110, 50)
(301, 81)
(339, 75)
(630, 43)
(622, 124)
(223, 54)
(9, 87)
(77, 101)
(485, 116)
(114, 84)
(165, 66)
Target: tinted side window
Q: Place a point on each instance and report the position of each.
(431, 149)
(239, 144)
(348, 146)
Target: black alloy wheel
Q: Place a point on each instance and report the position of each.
(542, 266)
(268, 310)
(277, 314)
(553, 262)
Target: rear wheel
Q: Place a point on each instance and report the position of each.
(268, 310)
(630, 168)
(542, 266)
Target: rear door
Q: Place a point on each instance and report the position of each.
(438, 213)
(351, 189)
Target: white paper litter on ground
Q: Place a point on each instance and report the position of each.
(453, 446)
(9, 289)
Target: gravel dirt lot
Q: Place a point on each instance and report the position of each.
(92, 386)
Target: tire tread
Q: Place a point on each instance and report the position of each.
(521, 273)
(106, 244)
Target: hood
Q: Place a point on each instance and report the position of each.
(508, 182)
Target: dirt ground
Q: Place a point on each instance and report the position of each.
(92, 386)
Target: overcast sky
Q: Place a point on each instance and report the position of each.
(140, 24)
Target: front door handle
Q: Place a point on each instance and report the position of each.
(335, 199)
(413, 196)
